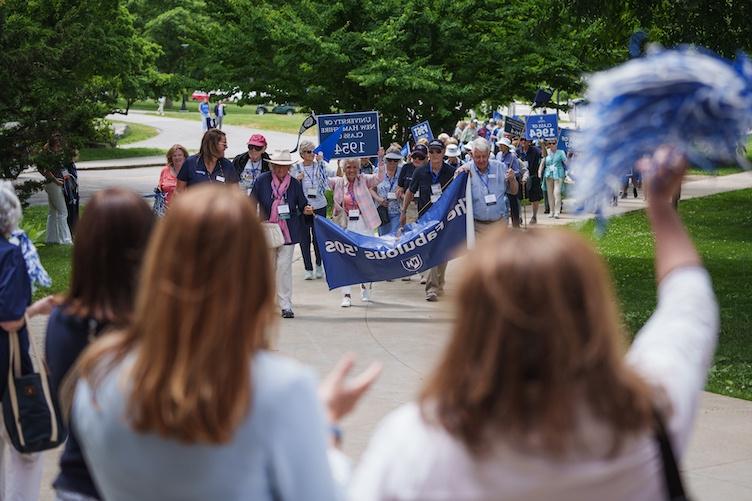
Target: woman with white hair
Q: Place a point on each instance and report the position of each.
(313, 175)
(20, 474)
(354, 208)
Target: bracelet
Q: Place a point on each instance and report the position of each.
(336, 432)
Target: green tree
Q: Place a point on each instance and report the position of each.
(65, 65)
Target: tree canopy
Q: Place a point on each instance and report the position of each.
(67, 63)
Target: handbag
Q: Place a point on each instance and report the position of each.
(383, 214)
(160, 203)
(674, 486)
(31, 413)
(274, 236)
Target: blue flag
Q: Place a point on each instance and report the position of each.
(497, 116)
(405, 150)
(329, 144)
(350, 258)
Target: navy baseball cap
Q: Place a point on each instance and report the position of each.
(436, 143)
(421, 148)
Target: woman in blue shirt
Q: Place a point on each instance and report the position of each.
(386, 191)
(194, 407)
(553, 175)
(21, 473)
(106, 258)
(209, 165)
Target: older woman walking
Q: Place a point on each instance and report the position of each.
(282, 201)
(355, 210)
(313, 175)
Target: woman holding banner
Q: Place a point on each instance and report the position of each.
(354, 208)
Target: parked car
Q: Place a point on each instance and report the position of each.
(199, 95)
(280, 109)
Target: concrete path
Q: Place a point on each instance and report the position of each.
(407, 334)
(188, 132)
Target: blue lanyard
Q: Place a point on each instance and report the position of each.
(484, 177)
(311, 176)
(434, 177)
(391, 181)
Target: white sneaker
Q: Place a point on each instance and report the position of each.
(365, 294)
(308, 275)
(319, 271)
(346, 302)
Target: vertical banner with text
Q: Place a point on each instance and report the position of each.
(360, 136)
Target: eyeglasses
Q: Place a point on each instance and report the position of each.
(255, 148)
(307, 152)
(418, 156)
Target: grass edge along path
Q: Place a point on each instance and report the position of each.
(721, 227)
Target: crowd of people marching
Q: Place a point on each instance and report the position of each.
(159, 352)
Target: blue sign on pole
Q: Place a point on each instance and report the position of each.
(361, 136)
(565, 140)
(350, 258)
(542, 127)
(422, 130)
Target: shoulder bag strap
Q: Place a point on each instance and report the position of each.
(674, 485)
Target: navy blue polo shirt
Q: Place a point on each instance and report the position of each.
(406, 175)
(194, 172)
(424, 177)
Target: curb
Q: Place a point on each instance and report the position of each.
(120, 167)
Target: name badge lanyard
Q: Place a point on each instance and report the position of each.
(391, 180)
(311, 176)
(209, 174)
(434, 177)
(353, 201)
(255, 171)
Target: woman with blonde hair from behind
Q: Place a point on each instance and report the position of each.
(534, 398)
(186, 403)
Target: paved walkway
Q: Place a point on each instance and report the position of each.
(407, 334)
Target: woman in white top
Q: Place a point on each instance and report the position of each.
(534, 398)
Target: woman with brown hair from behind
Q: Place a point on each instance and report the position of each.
(534, 398)
(109, 246)
(186, 403)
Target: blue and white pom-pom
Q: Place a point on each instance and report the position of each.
(689, 98)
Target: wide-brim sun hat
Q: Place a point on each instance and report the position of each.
(452, 151)
(504, 141)
(281, 157)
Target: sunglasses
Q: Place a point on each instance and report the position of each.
(392, 160)
(418, 156)
(307, 152)
(435, 150)
(255, 148)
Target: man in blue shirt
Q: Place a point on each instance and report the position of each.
(491, 181)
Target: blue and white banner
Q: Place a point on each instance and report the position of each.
(359, 134)
(566, 140)
(542, 127)
(350, 258)
(421, 130)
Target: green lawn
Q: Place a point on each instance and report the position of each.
(720, 171)
(721, 226)
(136, 132)
(55, 258)
(86, 154)
(236, 115)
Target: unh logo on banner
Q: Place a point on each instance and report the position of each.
(413, 263)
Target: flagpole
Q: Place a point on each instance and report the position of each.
(469, 215)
